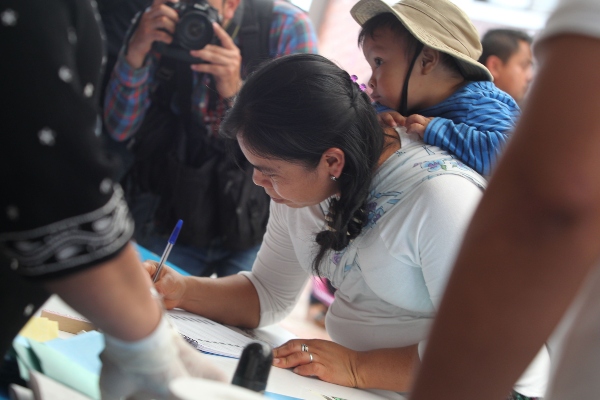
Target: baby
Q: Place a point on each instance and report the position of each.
(423, 54)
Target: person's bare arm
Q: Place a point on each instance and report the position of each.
(115, 296)
(533, 239)
(230, 300)
(142, 352)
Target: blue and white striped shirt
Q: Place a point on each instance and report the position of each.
(473, 123)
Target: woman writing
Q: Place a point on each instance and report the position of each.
(381, 222)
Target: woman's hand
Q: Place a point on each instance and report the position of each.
(330, 361)
(170, 284)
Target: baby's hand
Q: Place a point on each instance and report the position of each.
(391, 118)
(417, 124)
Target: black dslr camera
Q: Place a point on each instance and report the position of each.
(193, 31)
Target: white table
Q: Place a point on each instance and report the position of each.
(281, 381)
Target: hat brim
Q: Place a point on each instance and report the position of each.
(471, 69)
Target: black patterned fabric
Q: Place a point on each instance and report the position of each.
(60, 210)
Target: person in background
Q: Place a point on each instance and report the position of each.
(423, 55)
(116, 16)
(507, 55)
(64, 224)
(195, 181)
(531, 256)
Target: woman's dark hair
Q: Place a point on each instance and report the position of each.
(296, 107)
(390, 21)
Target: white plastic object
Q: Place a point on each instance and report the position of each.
(189, 388)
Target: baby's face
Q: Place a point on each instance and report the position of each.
(386, 54)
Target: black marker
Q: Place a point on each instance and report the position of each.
(253, 369)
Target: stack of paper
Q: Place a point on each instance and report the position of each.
(211, 337)
(71, 362)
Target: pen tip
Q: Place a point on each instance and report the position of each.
(175, 233)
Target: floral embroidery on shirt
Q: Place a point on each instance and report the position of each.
(337, 256)
(348, 267)
(422, 163)
(430, 165)
(375, 209)
(445, 164)
(373, 214)
(449, 164)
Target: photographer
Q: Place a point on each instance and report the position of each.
(170, 100)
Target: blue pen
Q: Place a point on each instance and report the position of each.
(170, 244)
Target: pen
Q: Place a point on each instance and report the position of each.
(170, 244)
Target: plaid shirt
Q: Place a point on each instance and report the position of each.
(128, 91)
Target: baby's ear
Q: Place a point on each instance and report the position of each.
(429, 59)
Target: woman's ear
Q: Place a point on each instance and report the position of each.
(428, 60)
(333, 160)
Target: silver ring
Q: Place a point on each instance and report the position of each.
(304, 347)
(311, 358)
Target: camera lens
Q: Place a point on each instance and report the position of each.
(194, 30)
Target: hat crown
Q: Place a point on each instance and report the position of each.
(444, 21)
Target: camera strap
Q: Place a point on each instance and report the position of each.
(233, 27)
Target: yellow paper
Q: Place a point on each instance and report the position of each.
(40, 329)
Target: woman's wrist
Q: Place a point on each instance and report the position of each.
(387, 369)
(135, 60)
(360, 369)
(187, 291)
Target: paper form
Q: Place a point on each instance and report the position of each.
(211, 337)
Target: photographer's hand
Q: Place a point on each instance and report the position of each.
(224, 63)
(156, 21)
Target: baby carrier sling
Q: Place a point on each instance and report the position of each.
(198, 177)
